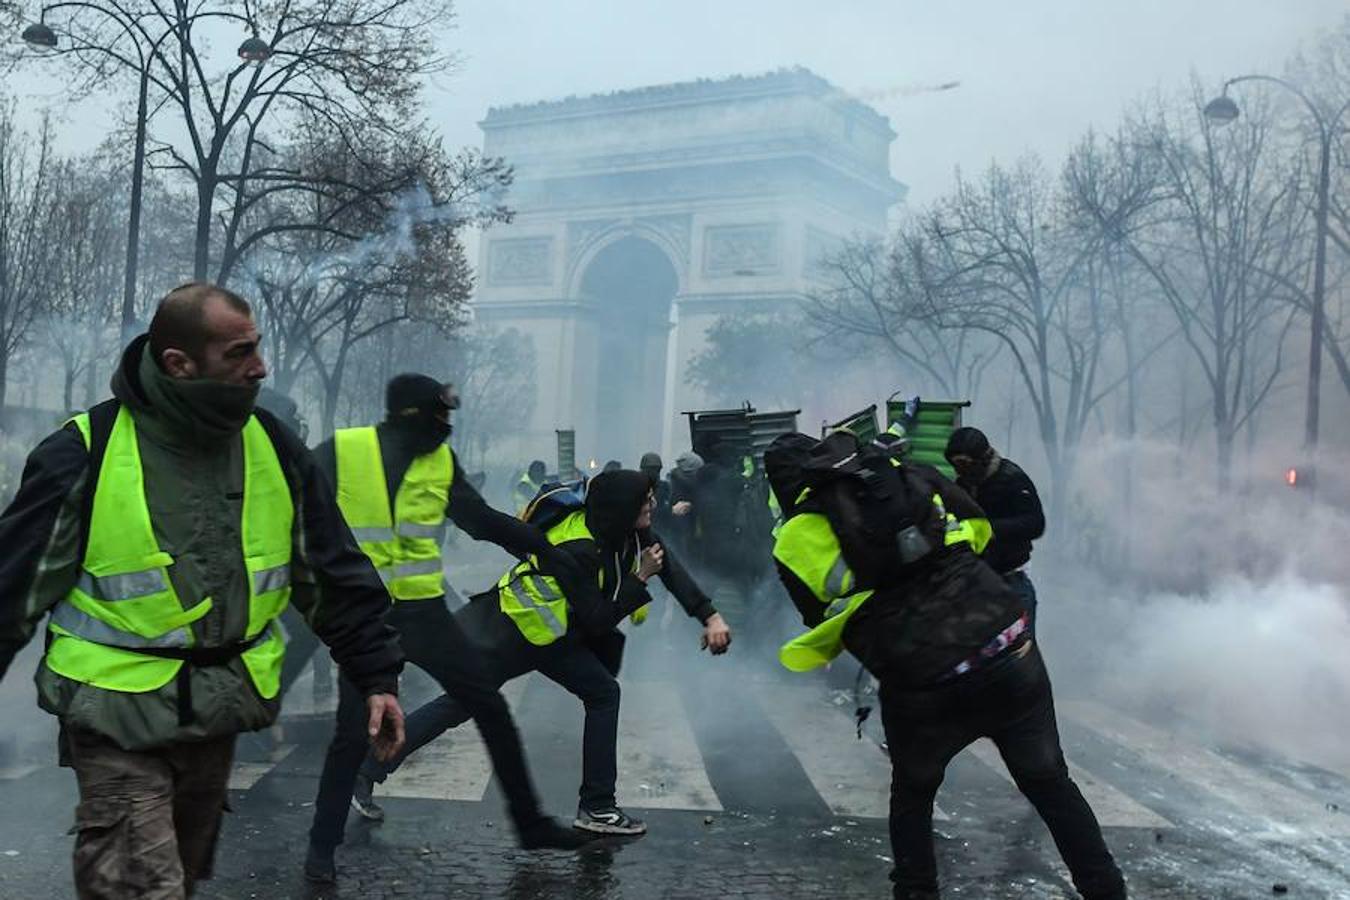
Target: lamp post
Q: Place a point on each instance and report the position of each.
(1222, 110)
(40, 35)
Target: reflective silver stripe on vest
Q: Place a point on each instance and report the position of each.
(413, 530)
(76, 621)
(835, 578)
(129, 586)
(273, 579)
(420, 567)
(551, 622)
(373, 534)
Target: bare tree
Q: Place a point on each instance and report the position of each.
(78, 326)
(355, 66)
(872, 291)
(384, 250)
(1215, 218)
(27, 215)
(998, 257)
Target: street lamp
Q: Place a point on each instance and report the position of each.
(1222, 110)
(253, 49)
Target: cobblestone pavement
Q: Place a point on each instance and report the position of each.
(754, 786)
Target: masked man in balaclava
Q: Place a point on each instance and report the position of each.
(397, 484)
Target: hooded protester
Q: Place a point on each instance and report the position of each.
(164, 586)
(563, 625)
(1009, 498)
(529, 484)
(397, 483)
(944, 636)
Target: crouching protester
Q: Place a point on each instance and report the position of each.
(881, 559)
(562, 624)
(163, 531)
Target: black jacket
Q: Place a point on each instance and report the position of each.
(1009, 500)
(947, 608)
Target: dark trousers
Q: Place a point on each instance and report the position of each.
(433, 642)
(570, 664)
(148, 820)
(1022, 585)
(1010, 701)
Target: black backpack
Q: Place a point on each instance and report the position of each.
(882, 513)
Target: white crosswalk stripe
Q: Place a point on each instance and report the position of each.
(1112, 807)
(455, 766)
(1265, 804)
(853, 777)
(660, 766)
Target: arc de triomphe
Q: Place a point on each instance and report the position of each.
(642, 216)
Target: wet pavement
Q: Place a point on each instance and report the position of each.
(754, 785)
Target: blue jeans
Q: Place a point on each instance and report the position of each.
(1021, 584)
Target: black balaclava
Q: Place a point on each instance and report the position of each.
(613, 502)
(783, 462)
(414, 405)
(970, 442)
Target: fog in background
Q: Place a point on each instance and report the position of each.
(1192, 588)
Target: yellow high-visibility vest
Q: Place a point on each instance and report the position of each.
(125, 601)
(404, 543)
(809, 548)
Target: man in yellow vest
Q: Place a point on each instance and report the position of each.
(945, 636)
(562, 624)
(163, 532)
(397, 484)
(529, 485)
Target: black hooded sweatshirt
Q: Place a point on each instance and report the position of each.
(917, 630)
(604, 589)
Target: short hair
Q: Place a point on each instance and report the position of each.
(180, 319)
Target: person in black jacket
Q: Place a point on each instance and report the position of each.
(947, 639)
(609, 582)
(1009, 499)
(418, 423)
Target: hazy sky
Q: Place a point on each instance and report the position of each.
(1034, 74)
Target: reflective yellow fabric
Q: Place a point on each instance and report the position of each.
(404, 543)
(809, 548)
(534, 601)
(124, 598)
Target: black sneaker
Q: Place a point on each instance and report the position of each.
(547, 834)
(319, 866)
(363, 800)
(608, 821)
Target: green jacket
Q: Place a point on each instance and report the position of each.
(194, 487)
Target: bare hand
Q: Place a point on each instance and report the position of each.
(716, 635)
(682, 508)
(653, 559)
(385, 725)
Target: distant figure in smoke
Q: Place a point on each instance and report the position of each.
(942, 632)
(612, 466)
(529, 485)
(1008, 497)
(652, 466)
